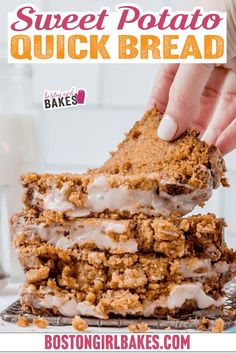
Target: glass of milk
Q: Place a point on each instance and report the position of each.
(18, 138)
(18, 147)
(5, 260)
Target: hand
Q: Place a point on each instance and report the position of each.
(200, 96)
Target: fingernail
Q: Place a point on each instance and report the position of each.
(167, 128)
(210, 136)
(150, 105)
(206, 137)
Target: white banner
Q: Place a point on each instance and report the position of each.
(71, 341)
(127, 35)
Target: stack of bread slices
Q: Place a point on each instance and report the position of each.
(116, 240)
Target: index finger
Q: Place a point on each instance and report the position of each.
(184, 99)
(163, 81)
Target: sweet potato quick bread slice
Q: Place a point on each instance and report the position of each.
(187, 160)
(71, 281)
(145, 176)
(200, 235)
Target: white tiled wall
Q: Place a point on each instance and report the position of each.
(85, 136)
(61, 77)
(77, 138)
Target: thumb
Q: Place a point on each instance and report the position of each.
(184, 99)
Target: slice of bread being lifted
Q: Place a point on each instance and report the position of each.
(144, 176)
(187, 160)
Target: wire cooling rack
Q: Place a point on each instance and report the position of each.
(184, 322)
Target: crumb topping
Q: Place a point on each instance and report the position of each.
(22, 322)
(219, 326)
(138, 327)
(79, 324)
(40, 323)
(203, 324)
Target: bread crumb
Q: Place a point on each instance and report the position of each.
(138, 327)
(79, 324)
(22, 322)
(40, 323)
(219, 326)
(203, 324)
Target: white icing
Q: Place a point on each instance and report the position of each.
(179, 294)
(50, 301)
(221, 267)
(79, 234)
(177, 297)
(67, 307)
(56, 199)
(71, 307)
(191, 291)
(190, 269)
(100, 196)
(114, 227)
(86, 309)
